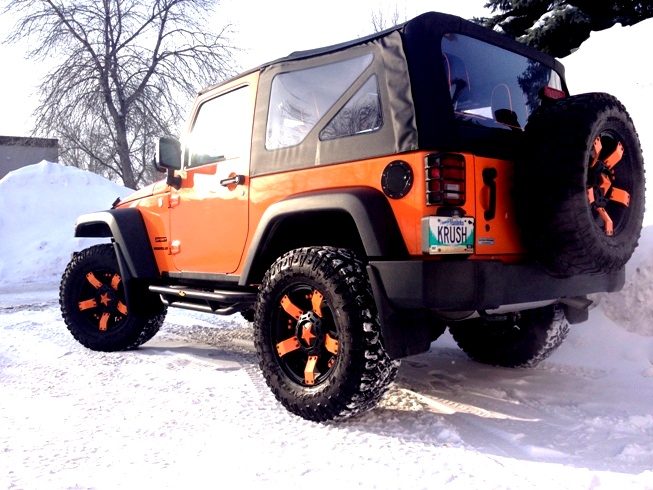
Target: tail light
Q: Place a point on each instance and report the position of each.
(445, 179)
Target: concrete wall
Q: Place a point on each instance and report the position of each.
(17, 152)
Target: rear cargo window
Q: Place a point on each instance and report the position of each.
(299, 99)
(490, 86)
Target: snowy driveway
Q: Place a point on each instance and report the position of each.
(189, 409)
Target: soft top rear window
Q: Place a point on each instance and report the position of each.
(491, 86)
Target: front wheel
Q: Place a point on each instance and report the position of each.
(318, 337)
(522, 339)
(94, 306)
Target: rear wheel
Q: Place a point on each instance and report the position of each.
(318, 337)
(521, 339)
(94, 306)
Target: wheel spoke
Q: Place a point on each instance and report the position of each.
(121, 307)
(104, 321)
(615, 157)
(288, 345)
(331, 344)
(90, 277)
(620, 196)
(609, 226)
(290, 308)
(597, 150)
(309, 370)
(606, 183)
(316, 302)
(87, 305)
(115, 281)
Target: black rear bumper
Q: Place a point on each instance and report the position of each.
(407, 291)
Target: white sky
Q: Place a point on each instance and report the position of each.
(264, 31)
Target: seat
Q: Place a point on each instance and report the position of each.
(457, 77)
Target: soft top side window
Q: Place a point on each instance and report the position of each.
(299, 99)
(491, 86)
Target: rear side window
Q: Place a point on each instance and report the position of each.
(490, 86)
(299, 99)
(361, 114)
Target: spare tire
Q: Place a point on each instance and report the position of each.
(580, 185)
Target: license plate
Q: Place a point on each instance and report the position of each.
(444, 235)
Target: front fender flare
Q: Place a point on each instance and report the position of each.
(127, 228)
(133, 251)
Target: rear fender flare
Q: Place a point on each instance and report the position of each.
(369, 209)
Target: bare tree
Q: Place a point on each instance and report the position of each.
(126, 73)
(382, 20)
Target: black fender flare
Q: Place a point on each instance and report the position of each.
(133, 250)
(368, 207)
(127, 228)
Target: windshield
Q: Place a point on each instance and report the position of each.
(490, 86)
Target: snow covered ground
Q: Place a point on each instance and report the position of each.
(190, 409)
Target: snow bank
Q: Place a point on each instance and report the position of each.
(632, 307)
(38, 208)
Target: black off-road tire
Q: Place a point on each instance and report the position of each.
(556, 174)
(523, 341)
(93, 304)
(318, 337)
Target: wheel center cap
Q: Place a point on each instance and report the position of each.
(309, 329)
(105, 299)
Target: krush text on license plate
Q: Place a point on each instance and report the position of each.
(444, 235)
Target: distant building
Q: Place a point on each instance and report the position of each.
(17, 152)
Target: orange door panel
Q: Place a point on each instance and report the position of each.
(209, 218)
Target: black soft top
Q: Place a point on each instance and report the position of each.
(425, 27)
(414, 92)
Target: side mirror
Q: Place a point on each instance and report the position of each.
(168, 159)
(168, 155)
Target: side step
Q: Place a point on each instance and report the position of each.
(219, 302)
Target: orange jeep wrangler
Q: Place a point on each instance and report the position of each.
(356, 200)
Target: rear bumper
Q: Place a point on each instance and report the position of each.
(479, 285)
(406, 292)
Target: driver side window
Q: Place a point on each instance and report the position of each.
(222, 129)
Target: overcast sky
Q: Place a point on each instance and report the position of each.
(264, 30)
